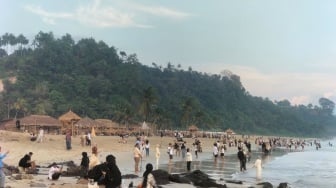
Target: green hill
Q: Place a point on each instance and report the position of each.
(93, 79)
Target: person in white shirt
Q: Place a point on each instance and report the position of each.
(258, 166)
(88, 139)
(54, 172)
(40, 135)
(215, 151)
(147, 146)
(189, 159)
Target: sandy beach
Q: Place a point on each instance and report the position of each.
(53, 149)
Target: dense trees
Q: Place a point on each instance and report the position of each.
(53, 75)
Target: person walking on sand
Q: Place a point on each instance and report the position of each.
(189, 159)
(82, 139)
(157, 155)
(258, 166)
(40, 135)
(88, 139)
(2, 174)
(147, 146)
(68, 140)
(137, 157)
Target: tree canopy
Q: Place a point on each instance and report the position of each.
(52, 75)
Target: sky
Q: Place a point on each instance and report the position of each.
(281, 49)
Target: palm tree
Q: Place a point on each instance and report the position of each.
(148, 99)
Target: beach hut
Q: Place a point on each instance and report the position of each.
(107, 127)
(32, 123)
(193, 129)
(86, 124)
(68, 120)
(230, 132)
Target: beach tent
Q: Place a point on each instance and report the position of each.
(68, 120)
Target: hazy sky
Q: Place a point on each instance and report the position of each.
(281, 49)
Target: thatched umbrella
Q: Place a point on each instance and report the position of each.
(69, 119)
(193, 130)
(229, 131)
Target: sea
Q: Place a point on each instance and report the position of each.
(308, 168)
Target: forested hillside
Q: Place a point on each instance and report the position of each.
(52, 75)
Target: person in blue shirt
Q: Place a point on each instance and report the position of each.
(2, 174)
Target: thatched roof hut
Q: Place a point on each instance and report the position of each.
(87, 123)
(229, 131)
(193, 128)
(106, 123)
(32, 122)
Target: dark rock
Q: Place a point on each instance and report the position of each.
(234, 181)
(266, 185)
(179, 179)
(129, 176)
(72, 171)
(161, 177)
(283, 185)
(201, 179)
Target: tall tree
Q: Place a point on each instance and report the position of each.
(148, 99)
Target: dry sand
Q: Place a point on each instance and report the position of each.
(53, 149)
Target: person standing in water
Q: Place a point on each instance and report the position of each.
(258, 166)
(189, 159)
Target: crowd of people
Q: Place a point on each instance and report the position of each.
(102, 172)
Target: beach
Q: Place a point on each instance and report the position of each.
(53, 149)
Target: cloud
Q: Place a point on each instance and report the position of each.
(297, 87)
(107, 16)
(161, 11)
(47, 17)
(104, 16)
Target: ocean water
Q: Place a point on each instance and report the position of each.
(310, 168)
